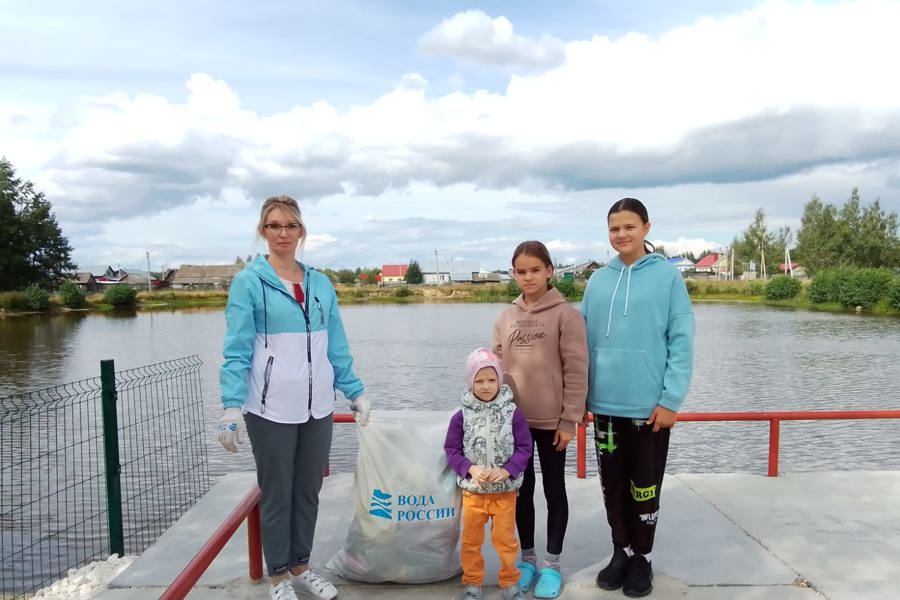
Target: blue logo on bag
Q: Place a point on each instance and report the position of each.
(380, 506)
(410, 507)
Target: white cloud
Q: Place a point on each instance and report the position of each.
(711, 121)
(683, 245)
(473, 36)
(560, 246)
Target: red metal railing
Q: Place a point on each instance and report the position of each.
(774, 419)
(248, 508)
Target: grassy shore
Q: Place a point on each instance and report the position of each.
(752, 292)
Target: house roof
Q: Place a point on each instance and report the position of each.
(394, 270)
(707, 261)
(680, 260)
(201, 273)
(591, 264)
(83, 277)
(783, 266)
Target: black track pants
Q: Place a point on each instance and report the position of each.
(632, 460)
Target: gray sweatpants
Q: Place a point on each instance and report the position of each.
(290, 464)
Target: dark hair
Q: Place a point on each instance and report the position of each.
(637, 207)
(536, 249)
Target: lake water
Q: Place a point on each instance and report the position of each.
(748, 358)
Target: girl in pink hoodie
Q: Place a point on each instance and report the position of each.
(542, 343)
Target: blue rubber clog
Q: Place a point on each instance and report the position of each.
(528, 575)
(549, 584)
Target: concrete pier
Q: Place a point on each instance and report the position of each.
(802, 536)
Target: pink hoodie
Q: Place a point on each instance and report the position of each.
(543, 348)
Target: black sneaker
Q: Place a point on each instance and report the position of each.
(610, 577)
(638, 576)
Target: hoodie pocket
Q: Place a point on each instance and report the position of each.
(624, 377)
(267, 379)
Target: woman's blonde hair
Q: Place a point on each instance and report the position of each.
(288, 205)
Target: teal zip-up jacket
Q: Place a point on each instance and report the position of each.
(640, 333)
(283, 361)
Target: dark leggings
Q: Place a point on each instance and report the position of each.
(553, 476)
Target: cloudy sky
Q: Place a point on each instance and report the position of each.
(409, 127)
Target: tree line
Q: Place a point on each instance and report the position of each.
(853, 235)
(34, 252)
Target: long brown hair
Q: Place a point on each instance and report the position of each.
(536, 249)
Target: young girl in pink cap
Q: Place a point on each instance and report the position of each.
(488, 445)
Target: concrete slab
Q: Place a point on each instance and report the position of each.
(839, 530)
(161, 562)
(697, 544)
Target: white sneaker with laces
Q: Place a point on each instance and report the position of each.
(283, 590)
(313, 585)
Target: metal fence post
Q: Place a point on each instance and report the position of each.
(108, 398)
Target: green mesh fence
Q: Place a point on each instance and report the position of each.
(53, 475)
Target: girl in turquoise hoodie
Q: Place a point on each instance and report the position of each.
(640, 333)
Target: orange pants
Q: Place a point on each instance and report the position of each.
(477, 510)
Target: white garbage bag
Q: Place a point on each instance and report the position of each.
(407, 509)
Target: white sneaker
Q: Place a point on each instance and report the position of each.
(283, 590)
(313, 585)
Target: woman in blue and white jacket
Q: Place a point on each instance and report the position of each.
(285, 354)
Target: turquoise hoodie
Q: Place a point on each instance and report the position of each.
(640, 333)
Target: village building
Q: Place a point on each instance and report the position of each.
(580, 271)
(204, 277)
(393, 274)
(795, 271)
(682, 264)
(85, 280)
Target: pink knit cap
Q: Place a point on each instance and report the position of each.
(479, 359)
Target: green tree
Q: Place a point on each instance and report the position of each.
(346, 276)
(854, 235)
(32, 247)
(757, 240)
(239, 261)
(414, 273)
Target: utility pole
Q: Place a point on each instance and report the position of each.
(762, 261)
(437, 269)
(149, 276)
(732, 262)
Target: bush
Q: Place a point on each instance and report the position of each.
(120, 295)
(782, 287)
(692, 288)
(36, 298)
(512, 289)
(402, 292)
(826, 285)
(851, 287)
(12, 301)
(565, 286)
(71, 295)
(757, 288)
(866, 287)
(894, 294)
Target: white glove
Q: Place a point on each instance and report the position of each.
(231, 429)
(360, 408)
